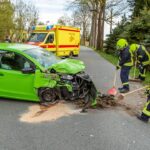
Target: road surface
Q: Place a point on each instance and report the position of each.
(111, 129)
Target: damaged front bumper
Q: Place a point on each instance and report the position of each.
(82, 87)
(73, 87)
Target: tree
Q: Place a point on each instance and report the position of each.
(94, 8)
(81, 19)
(65, 20)
(136, 6)
(114, 9)
(26, 15)
(110, 42)
(6, 18)
(41, 23)
(139, 28)
(98, 12)
(101, 17)
(32, 16)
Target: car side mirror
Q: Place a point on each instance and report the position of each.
(28, 70)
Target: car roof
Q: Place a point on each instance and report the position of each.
(16, 46)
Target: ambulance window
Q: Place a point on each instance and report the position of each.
(50, 38)
(37, 37)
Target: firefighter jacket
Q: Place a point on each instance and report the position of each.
(143, 56)
(125, 57)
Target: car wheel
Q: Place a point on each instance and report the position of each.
(48, 95)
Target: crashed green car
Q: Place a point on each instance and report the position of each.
(32, 73)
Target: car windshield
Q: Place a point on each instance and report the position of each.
(44, 57)
(37, 37)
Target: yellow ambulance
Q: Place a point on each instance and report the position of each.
(63, 40)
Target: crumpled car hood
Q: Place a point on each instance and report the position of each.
(68, 66)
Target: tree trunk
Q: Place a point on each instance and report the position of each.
(95, 30)
(92, 30)
(111, 20)
(84, 34)
(93, 34)
(102, 29)
(98, 46)
(100, 34)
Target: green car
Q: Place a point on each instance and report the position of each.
(32, 73)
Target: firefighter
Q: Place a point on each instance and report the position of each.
(125, 64)
(145, 115)
(143, 59)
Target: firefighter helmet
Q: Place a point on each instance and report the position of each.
(121, 44)
(134, 47)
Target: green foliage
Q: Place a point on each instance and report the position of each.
(135, 31)
(110, 42)
(61, 22)
(137, 6)
(6, 18)
(109, 57)
(138, 30)
(16, 19)
(26, 15)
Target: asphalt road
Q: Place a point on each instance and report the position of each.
(96, 130)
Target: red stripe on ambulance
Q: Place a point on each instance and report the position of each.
(69, 30)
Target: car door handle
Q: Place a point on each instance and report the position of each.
(1, 74)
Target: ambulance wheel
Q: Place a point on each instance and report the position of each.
(71, 55)
(47, 95)
(76, 55)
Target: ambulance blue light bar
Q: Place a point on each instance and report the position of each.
(49, 27)
(41, 27)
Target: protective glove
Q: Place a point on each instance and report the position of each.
(147, 92)
(140, 66)
(117, 67)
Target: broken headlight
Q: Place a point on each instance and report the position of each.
(66, 77)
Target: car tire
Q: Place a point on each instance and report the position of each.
(47, 95)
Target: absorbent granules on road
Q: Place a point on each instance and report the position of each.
(38, 114)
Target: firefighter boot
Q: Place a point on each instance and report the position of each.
(123, 90)
(143, 118)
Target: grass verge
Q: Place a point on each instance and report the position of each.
(113, 59)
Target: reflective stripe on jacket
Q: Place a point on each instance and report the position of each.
(143, 56)
(146, 110)
(125, 57)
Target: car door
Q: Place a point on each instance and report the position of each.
(14, 83)
(50, 42)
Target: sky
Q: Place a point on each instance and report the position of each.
(51, 10)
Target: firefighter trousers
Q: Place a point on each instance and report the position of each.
(142, 73)
(124, 76)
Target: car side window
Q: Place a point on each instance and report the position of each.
(50, 38)
(13, 61)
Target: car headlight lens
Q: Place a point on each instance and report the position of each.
(66, 77)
